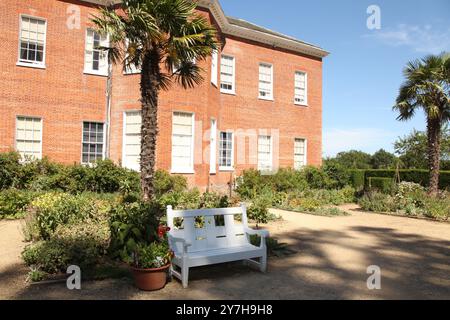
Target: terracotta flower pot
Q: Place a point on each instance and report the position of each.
(150, 279)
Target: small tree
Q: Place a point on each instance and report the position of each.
(164, 38)
(427, 87)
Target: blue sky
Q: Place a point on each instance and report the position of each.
(364, 71)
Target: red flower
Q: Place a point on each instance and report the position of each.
(162, 230)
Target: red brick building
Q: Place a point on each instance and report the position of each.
(260, 105)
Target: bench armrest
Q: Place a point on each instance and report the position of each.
(174, 240)
(261, 233)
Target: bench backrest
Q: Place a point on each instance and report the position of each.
(209, 228)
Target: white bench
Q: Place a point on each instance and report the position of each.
(204, 243)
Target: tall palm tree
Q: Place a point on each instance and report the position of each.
(164, 38)
(427, 87)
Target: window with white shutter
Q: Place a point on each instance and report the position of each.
(132, 140)
(265, 153)
(29, 137)
(183, 142)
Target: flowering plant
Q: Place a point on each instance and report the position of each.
(154, 255)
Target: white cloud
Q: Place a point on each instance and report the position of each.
(364, 139)
(425, 39)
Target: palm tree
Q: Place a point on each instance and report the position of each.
(427, 87)
(164, 38)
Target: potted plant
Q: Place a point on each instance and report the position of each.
(150, 263)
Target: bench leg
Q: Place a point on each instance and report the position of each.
(263, 263)
(185, 276)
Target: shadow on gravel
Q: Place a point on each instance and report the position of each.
(413, 267)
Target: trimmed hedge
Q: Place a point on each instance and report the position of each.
(357, 179)
(414, 175)
(384, 185)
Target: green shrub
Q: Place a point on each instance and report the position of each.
(258, 210)
(330, 212)
(286, 180)
(77, 244)
(14, 203)
(50, 210)
(9, 169)
(418, 176)
(339, 175)
(317, 178)
(210, 200)
(132, 223)
(378, 202)
(384, 185)
(357, 179)
(48, 256)
(437, 208)
(250, 184)
(165, 183)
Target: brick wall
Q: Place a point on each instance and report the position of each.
(65, 97)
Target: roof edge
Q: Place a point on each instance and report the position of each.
(276, 41)
(272, 38)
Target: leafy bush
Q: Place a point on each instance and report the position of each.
(338, 174)
(378, 202)
(48, 256)
(317, 178)
(50, 210)
(9, 169)
(250, 183)
(437, 208)
(76, 244)
(357, 179)
(384, 185)
(418, 176)
(258, 210)
(14, 203)
(132, 223)
(165, 183)
(43, 175)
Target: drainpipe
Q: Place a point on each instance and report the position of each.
(108, 109)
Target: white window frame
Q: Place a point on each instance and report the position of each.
(306, 88)
(213, 148)
(124, 139)
(90, 71)
(82, 140)
(233, 90)
(270, 97)
(41, 137)
(23, 63)
(305, 156)
(190, 168)
(214, 67)
(227, 168)
(270, 156)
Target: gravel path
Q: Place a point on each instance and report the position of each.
(331, 261)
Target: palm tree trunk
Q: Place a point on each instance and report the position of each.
(149, 98)
(434, 152)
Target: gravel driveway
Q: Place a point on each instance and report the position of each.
(331, 259)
